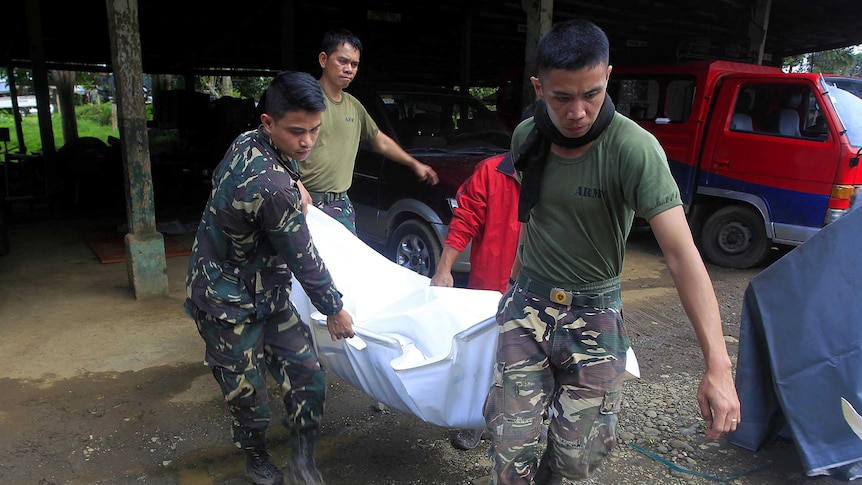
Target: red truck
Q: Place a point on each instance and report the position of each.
(761, 157)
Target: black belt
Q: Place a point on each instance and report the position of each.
(602, 294)
(327, 197)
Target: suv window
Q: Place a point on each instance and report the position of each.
(434, 120)
(450, 131)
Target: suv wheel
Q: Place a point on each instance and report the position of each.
(414, 246)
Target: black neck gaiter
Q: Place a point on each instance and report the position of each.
(536, 147)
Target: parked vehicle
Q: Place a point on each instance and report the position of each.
(761, 157)
(450, 131)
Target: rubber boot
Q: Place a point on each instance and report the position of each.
(259, 468)
(467, 439)
(302, 470)
(544, 474)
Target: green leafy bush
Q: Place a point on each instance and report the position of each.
(92, 119)
(96, 113)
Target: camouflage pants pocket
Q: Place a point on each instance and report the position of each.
(491, 410)
(583, 431)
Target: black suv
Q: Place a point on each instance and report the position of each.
(450, 131)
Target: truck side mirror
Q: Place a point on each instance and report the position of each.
(855, 160)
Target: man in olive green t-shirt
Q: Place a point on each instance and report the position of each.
(328, 172)
(562, 344)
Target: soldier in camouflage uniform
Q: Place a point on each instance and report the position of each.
(585, 172)
(252, 237)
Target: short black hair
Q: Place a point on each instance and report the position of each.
(572, 45)
(292, 91)
(333, 39)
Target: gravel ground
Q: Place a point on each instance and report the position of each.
(101, 389)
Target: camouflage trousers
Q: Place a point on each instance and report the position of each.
(562, 362)
(239, 357)
(341, 210)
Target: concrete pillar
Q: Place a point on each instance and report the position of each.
(540, 16)
(759, 27)
(145, 247)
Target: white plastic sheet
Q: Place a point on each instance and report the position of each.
(424, 350)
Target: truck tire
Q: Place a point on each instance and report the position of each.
(735, 237)
(414, 246)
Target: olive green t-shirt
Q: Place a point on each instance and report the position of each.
(329, 167)
(578, 228)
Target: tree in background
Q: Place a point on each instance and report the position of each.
(251, 86)
(234, 86)
(64, 81)
(846, 61)
(23, 80)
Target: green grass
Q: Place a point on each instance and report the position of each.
(93, 120)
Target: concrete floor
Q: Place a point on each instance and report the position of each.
(58, 296)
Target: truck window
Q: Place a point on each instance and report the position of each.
(637, 98)
(815, 123)
(648, 98)
(741, 119)
(680, 95)
(778, 109)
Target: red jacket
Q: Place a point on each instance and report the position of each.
(487, 214)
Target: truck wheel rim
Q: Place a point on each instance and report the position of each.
(734, 238)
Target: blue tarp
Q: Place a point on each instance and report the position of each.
(800, 351)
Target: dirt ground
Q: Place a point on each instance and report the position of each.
(99, 388)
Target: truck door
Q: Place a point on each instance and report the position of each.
(769, 147)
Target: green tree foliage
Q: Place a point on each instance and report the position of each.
(235, 86)
(23, 80)
(250, 86)
(93, 120)
(836, 61)
(846, 61)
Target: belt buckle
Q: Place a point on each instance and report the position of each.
(561, 296)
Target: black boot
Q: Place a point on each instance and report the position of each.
(302, 470)
(467, 439)
(259, 468)
(544, 474)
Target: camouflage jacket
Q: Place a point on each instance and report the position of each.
(252, 237)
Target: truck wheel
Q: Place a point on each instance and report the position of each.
(734, 237)
(414, 246)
